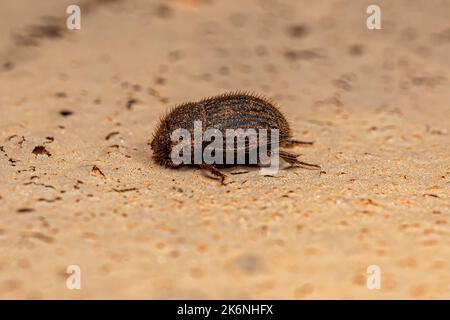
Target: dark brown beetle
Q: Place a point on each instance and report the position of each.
(237, 110)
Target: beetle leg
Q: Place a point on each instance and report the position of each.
(292, 143)
(214, 171)
(292, 160)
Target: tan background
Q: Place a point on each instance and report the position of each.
(375, 101)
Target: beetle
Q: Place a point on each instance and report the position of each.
(234, 110)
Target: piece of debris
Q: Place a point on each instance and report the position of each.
(305, 54)
(97, 172)
(41, 150)
(61, 94)
(239, 172)
(131, 102)
(124, 190)
(66, 113)
(431, 195)
(25, 210)
(297, 31)
(21, 141)
(111, 134)
(49, 200)
(77, 185)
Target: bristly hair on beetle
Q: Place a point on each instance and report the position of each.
(235, 110)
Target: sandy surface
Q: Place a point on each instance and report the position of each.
(86, 102)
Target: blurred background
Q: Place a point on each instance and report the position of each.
(79, 186)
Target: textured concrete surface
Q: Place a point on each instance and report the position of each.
(78, 185)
